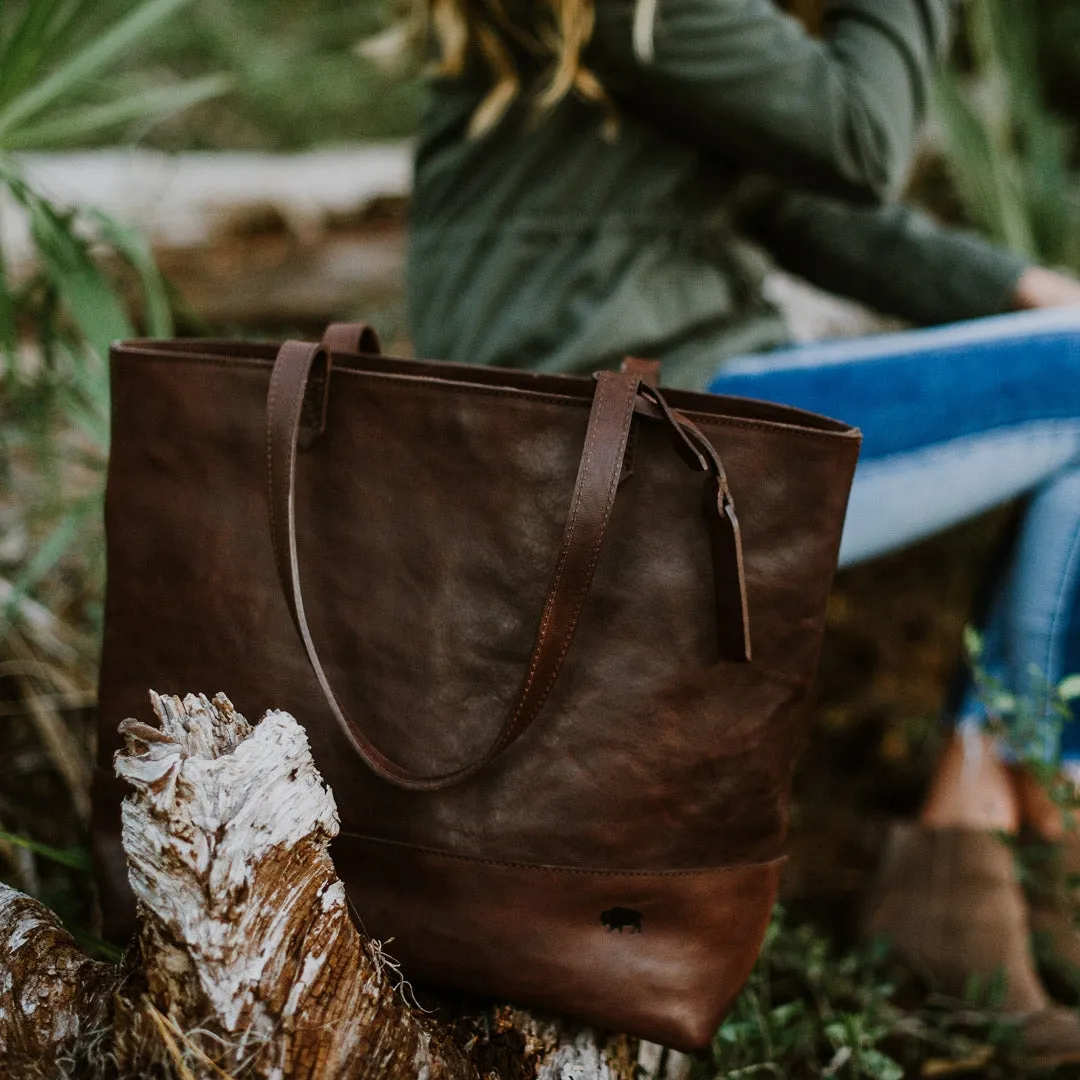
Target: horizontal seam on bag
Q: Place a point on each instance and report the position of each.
(772, 426)
(714, 419)
(393, 379)
(195, 358)
(447, 385)
(701, 871)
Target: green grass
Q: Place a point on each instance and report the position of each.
(810, 1010)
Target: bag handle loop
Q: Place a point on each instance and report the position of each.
(352, 338)
(590, 511)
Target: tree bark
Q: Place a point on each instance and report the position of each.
(246, 961)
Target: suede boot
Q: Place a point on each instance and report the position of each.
(1052, 875)
(948, 901)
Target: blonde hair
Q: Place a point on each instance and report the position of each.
(557, 31)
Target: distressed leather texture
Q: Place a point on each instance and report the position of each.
(616, 856)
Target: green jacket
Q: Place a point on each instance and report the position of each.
(546, 245)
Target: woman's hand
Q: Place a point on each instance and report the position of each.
(1042, 288)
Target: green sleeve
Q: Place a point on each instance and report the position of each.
(892, 258)
(744, 81)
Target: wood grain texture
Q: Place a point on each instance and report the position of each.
(54, 1002)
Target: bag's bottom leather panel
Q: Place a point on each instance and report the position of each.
(658, 955)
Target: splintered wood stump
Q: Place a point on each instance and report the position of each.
(246, 962)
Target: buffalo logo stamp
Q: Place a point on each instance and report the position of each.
(621, 918)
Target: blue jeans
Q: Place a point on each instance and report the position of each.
(955, 420)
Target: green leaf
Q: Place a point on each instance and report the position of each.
(75, 72)
(973, 643)
(83, 289)
(968, 149)
(131, 244)
(837, 1033)
(73, 858)
(84, 401)
(77, 125)
(1007, 152)
(879, 1066)
(9, 338)
(1069, 688)
(56, 545)
(41, 32)
(1002, 703)
(96, 947)
(783, 1015)
(736, 1031)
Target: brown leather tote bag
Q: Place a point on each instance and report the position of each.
(549, 636)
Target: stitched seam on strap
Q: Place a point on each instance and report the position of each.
(294, 420)
(549, 609)
(700, 871)
(362, 742)
(613, 486)
(594, 557)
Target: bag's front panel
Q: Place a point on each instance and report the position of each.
(393, 548)
(425, 577)
(429, 524)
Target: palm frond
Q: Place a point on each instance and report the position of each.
(73, 73)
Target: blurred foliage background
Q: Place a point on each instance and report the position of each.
(1007, 117)
(1002, 155)
(1006, 113)
(302, 76)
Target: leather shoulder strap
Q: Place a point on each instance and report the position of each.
(591, 504)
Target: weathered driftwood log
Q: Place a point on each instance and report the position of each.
(247, 963)
(54, 1002)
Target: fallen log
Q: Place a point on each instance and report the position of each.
(54, 1001)
(247, 962)
(292, 240)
